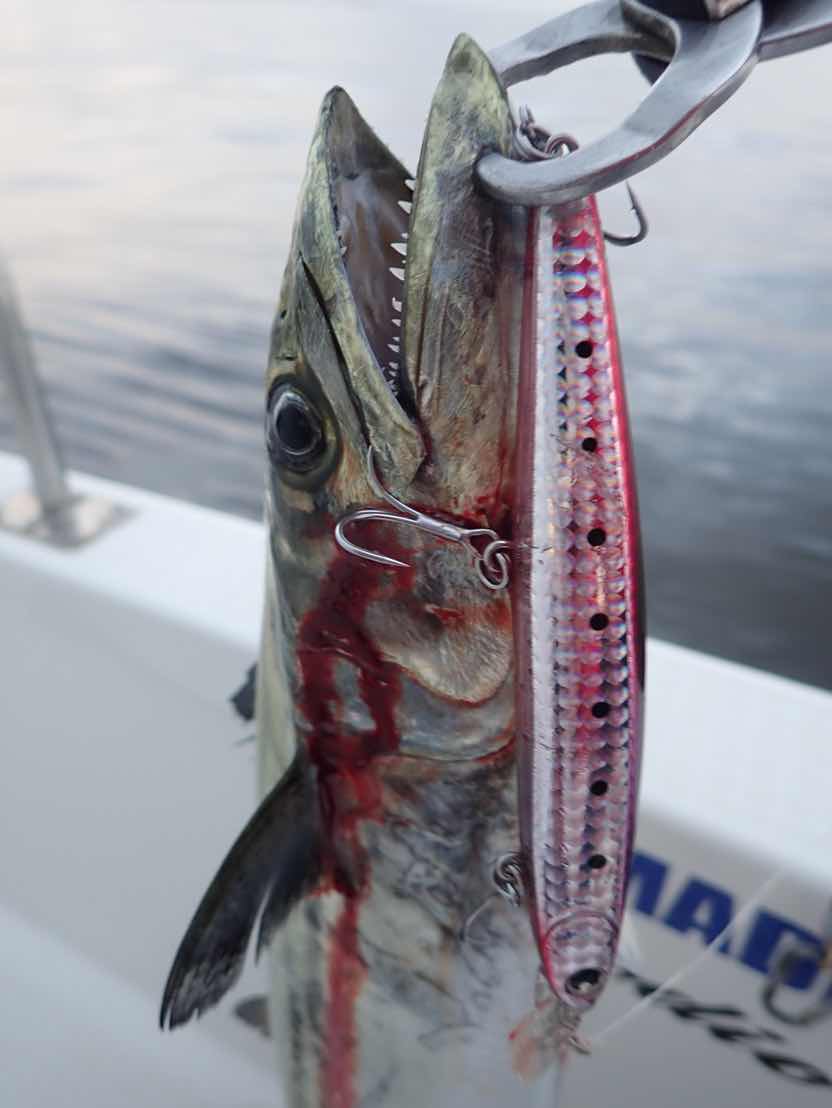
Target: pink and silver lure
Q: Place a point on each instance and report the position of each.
(578, 624)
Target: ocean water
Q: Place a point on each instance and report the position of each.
(152, 156)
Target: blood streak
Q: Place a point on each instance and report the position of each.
(351, 793)
(345, 978)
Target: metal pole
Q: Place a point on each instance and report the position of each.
(50, 512)
(33, 427)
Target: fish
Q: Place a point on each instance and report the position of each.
(399, 797)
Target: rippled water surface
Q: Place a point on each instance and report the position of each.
(152, 157)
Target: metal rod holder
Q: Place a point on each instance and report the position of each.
(49, 511)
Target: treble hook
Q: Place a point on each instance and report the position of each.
(535, 143)
(643, 225)
(491, 563)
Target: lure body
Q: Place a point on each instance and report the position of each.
(579, 644)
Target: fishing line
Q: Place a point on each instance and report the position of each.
(557, 1089)
(603, 1037)
(670, 982)
(681, 974)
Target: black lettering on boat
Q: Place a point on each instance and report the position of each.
(746, 1037)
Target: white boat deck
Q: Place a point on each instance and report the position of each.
(124, 781)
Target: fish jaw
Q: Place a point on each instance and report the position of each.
(461, 278)
(348, 214)
(578, 629)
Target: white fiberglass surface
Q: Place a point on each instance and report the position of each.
(125, 777)
(75, 1034)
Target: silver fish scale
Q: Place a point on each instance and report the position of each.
(580, 565)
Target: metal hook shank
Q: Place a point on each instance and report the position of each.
(415, 519)
(709, 62)
(360, 551)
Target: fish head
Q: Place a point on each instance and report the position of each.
(392, 333)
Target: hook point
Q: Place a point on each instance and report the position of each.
(643, 226)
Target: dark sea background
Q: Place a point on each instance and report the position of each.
(152, 154)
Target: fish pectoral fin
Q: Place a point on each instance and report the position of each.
(243, 699)
(276, 860)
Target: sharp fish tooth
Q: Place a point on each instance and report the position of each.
(410, 183)
(394, 365)
(400, 248)
(405, 206)
(397, 323)
(397, 272)
(397, 305)
(394, 346)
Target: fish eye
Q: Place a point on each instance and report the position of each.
(294, 430)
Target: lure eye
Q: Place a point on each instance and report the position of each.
(584, 982)
(294, 430)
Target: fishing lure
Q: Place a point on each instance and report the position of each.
(578, 628)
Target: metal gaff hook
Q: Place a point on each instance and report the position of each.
(709, 61)
(491, 562)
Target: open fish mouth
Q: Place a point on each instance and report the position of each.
(415, 275)
(372, 197)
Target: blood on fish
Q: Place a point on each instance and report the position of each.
(346, 974)
(350, 790)
(333, 631)
(449, 617)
